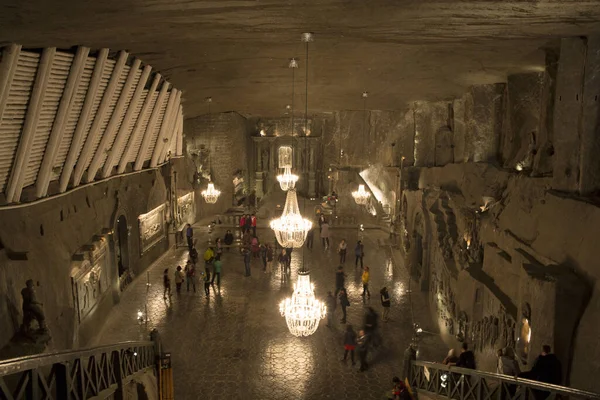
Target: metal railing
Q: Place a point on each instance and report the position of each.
(467, 384)
(98, 372)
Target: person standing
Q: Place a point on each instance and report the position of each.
(340, 278)
(349, 343)
(189, 234)
(270, 256)
(219, 247)
(309, 238)
(217, 270)
(342, 248)
(385, 303)
(190, 275)
(344, 302)
(365, 282)
(228, 239)
(362, 350)
(209, 256)
(207, 285)
(466, 359)
(253, 224)
(546, 367)
(166, 283)
(331, 303)
(179, 278)
(242, 225)
(248, 223)
(255, 246)
(247, 260)
(283, 261)
(325, 234)
(359, 252)
(321, 222)
(288, 252)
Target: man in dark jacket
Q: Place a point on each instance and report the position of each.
(331, 303)
(340, 278)
(344, 303)
(546, 367)
(466, 358)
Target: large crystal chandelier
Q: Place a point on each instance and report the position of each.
(361, 196)
(302, 311)
(291, 228)
(287, 180)
(211, 194)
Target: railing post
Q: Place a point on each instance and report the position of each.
(63, 380)
(117, 368)
(33, 386)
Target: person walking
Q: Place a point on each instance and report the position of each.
(546, 368)
(269, 256)
(217, 265)
(309, 238)
(342, 248)
(247, 260)
(190, 275)
(365, 282)
(253, 224)
(207, 285)
(228, 239)
(321, 222)
(219, 247)
(325, 234)
(255, 246)
(385, 303)
(189, 234)
(344, 302)
(242, 224)
(363, 347)
(179, 278)
(288, 252)
(349, 343)
(194, 255)
(331, 303)
(263, 256)
(466, 359)
(283, 261)
(248, 224)
(166, 283)
(209, 256)
(340, 278)
(359, 252)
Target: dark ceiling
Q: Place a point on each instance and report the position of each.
(237, 51)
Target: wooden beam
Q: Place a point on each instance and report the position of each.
(179, 144)
(139, 162)
(32, 117)
(137, 130)
(64, 109)
(173, 136)
(166, 127)
(120, 140)
(8, 66)
(114, 120)
(83, 119)
(107, 97)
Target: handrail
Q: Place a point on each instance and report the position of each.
(28, 362)
(450, 382)
(97, 372)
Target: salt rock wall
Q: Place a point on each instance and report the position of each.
(44, 236)
(224, 138)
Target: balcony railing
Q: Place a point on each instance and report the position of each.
(99, 372)
(467, 384)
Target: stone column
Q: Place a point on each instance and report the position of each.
(258, 180)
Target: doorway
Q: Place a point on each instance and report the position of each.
(122, 247)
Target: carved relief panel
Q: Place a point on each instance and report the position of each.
(89, 276)
(185, 209)
(152, 228)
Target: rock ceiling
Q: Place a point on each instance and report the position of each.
(237, 51)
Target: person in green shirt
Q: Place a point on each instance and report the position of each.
(217, 270)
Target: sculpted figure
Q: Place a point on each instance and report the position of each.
(32, 308)
(494, 331)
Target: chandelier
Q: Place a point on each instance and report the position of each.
(291, 228)
(361, 196)
(287, 180)
(211, 194)
(302, 311)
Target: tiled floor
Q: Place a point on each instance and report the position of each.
(235, 344)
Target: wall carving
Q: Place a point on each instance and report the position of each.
(89, 276)
(185, 209)
(152, 228)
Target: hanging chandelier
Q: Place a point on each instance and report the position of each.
(291, 228)
(287, 180)
(303, 311)
(211, 195)
(361, 196)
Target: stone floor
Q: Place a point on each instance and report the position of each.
(235, 344)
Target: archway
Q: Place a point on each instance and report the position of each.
(122, 246)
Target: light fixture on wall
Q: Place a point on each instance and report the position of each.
(302, 311)
(287, 180)
(361, 196)
(211, 194)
